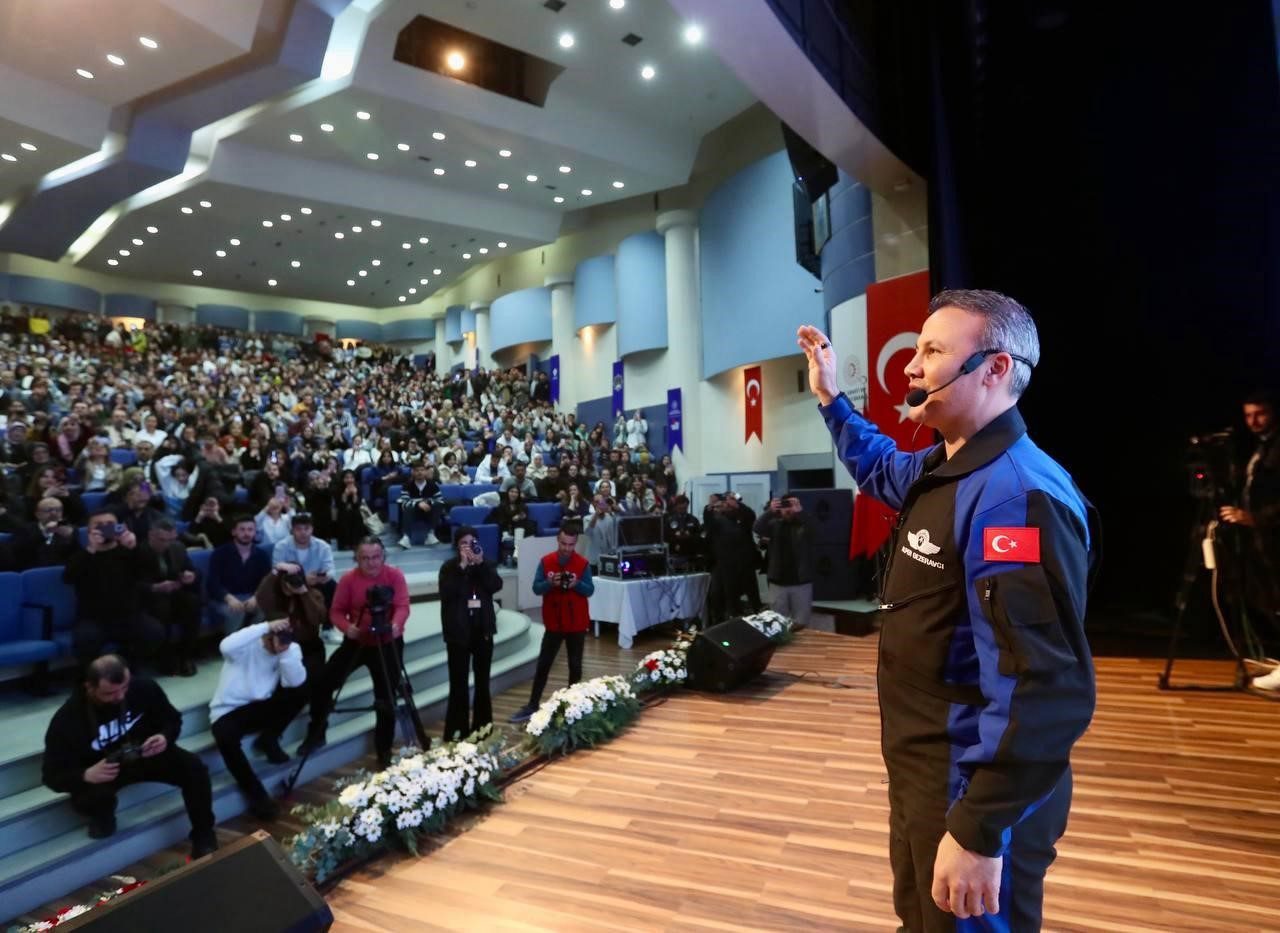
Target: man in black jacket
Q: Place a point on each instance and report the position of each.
(420, 500)
(114, 731)
(788, 530)
(468, 583)
(106, 575)
(46, 542)
(170, 590)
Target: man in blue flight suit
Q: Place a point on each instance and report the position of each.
(985, 676)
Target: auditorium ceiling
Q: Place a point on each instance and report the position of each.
(340, 173)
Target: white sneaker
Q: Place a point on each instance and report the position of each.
(1268, 681)
(405, 543)
(331, 636)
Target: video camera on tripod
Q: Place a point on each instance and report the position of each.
(1207, 460)
(378, 601)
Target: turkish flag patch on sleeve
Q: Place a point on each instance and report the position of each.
(1021, 545)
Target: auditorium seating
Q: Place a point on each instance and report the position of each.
(547, 516)
(23, 637)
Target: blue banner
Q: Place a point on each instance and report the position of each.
(617, 388)
(675, 421)
(555, 379)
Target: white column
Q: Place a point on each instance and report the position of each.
(316, 325)
(444, 359)
(564, 338)
(684, 339)
(484, 342)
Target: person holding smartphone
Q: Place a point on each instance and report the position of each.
(468, 584)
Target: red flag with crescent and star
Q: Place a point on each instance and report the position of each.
(896, 309)
(754, 390)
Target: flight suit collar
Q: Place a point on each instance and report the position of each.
(988, 444)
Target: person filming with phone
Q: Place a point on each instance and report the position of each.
(468, 584)
(108, 575)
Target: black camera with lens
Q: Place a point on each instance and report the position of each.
(566, 581)
(126, 753)
(295, 580)
(378, 600)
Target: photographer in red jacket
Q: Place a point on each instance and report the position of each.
(563, 580)
(370, 608)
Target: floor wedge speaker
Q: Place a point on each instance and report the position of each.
(726, 656)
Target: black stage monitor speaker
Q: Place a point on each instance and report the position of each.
(831, 511)
(726, 656)
(248, 887)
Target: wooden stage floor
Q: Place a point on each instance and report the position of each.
(767, 810)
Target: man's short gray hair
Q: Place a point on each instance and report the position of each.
(1007, 326)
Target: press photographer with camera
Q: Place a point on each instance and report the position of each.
(370, 608)
(468, 584)
(287, 593)
(788, 530)
(117, 730)
(107, 574)
(563, 580)
(260, 663)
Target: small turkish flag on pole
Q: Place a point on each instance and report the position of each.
(1018, 545)
(755, 403)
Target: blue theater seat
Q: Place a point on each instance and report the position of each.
(92, 501)
(55, 601)
(490, 540)
(546, 515)
(123, 456)
(467, 515)
(393, 503)
(24, 638)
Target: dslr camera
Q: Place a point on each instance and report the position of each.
(378, 601)
(126, 753)
(295, 580)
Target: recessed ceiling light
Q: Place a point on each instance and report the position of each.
(30, 147)
(113, 262)
(436, 272)
(234, 242)
(558, 199)
(403, 298)
(206, 204)
(286, 217)
(503, 186)
(375, 262)
(267, 223)
(693, 34)
(484, 250)
(531, 178)
(466, 255)
(362, 273)
(124, 252)
(116, 60)
(339, 235)
(437, 135)
(566, 169)
(295, 137)
(406, 246)
(413, 291)
(424, 240)
(422, 281)
(362, 114)
(297, 264)
(326, 127)
(187, 210)
(8, 157)
(505, 153)
(403, 147)
(619, 184)
(470, 163)
(438, 171)
(148, 42)
(357, 229)
(566, 40)
(137, 242)
(87, 75)
(351, 281)
(502, 244)
(221, 254)
(617, 4)
(271, 282)
(455, 61)
(648, 72)
(586, 192)
(197, 273)
(375, 223)
(306, 210)
(153, 230)
(372, 156)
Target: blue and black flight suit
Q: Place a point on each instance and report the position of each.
(985, 677)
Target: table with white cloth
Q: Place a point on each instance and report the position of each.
(638, 603)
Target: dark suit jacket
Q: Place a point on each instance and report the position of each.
(177, 561)
(456, 588)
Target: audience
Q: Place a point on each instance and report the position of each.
(235, 570)
(107, 575)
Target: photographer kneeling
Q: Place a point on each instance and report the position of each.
(116, 731)
(370, 608)
(260, 663)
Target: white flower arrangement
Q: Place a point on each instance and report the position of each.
(661, 670)
(585, 713)
(416, 795)
(70, 912)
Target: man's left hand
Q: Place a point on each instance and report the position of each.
(154, 746)
(1235, 516)
(965, 883)
(424, 506)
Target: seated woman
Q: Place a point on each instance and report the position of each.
(448, 470)
(274, 521)
(97, 471)
(511, 515)
(45, 484)
(573, 504)
(177, 480)
(348, 521)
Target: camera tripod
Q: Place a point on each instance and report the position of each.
(397, 697)
(1202, 554)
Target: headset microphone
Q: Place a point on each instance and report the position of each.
(916, 397)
